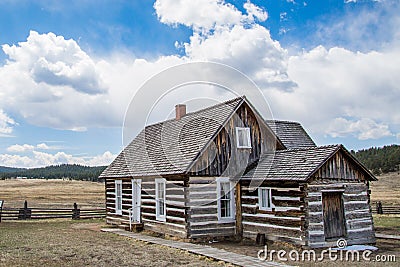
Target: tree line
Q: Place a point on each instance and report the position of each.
(377, 159)
(380, 159)
(71, 171)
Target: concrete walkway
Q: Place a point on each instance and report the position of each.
(215, 253)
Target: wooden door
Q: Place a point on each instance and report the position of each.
(334, 221)
(136, 199)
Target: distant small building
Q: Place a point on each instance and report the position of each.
(224, 171)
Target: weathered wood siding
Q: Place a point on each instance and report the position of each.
(111, 217)
(340, 175)
(357, 212)
(175, 223)
(203, 210)
(223, 158)
(285, 222)
(341, 168)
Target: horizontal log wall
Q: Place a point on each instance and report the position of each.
(203, 210)
(111, 217)
(285, 222)
(357, 211)
(175, 223)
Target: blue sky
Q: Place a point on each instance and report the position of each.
(70, 68)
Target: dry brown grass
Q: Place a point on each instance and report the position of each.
(51, 193)
(75, 243)
(66, 243)
(386, 189)
(63, 193)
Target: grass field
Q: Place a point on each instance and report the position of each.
(51, 193)
(63, 193)
(80, 243)
(386, 189)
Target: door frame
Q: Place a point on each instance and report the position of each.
(339, 194)
(136, 200)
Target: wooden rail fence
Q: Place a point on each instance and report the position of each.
(380, 209)
(28, 213)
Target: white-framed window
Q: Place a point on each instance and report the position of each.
(243, 137)
(265, 198)
(161, 206)
(118, 197)
(226, 201)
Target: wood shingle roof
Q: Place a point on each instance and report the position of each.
(169, 147)
(292, 134)
(297, 164)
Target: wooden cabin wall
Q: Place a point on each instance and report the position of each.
(202, 206)
(342, 175)
(175, 206)
(111, 217)
(357, 211)
(223, 157)
(284, 223)
(175, 224)
(341, 168)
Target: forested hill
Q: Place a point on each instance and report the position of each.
(9, 169)
(72, 171)
(380, 159)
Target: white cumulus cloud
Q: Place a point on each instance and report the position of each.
(41, 159)
(20, 148)
(6, 123)
(52, 60)
(338, 83)
(254, 12)
(28, 148)
(199, 14)
(50, 81)
(364, 129)
(43, 146)
(230, 37)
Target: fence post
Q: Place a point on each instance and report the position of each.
(1, 208)
(76, 213)
(25, 213)
(379, 209)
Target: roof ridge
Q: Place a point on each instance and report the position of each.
(309, 148)
(283, 121)
(216, 105)
(200, 110)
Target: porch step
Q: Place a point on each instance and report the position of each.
(136, 227)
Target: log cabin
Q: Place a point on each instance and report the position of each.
(225, 172)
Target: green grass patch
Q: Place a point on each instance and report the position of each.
(387, 221)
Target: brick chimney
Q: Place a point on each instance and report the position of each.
(180, 111)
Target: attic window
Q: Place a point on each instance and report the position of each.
(243, 137)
